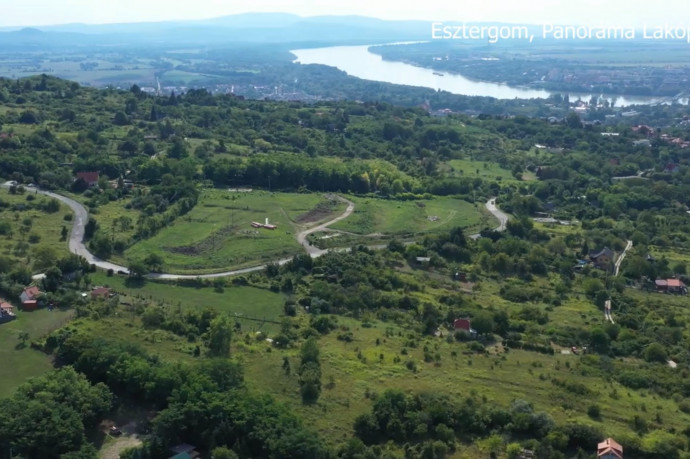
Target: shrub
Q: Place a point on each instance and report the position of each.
(594, 412)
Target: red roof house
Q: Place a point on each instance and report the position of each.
(609, 449)
(462, 324)
(671, 286)
(100, 292)
(29, 294)
(90, 178)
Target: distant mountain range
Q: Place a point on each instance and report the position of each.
(250, 28)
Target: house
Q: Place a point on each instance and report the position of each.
(609, 449)
(28, 298)
(90, 178)
(601, 258)
(6, 312)
(100, 292)
(671, 286)
(465, 325)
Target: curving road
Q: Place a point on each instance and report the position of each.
(81, 216)
(501, 216)
(77, 246)
(302, 236)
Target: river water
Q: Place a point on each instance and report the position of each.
(357, 61)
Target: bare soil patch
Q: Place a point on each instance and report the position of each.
(319, 212)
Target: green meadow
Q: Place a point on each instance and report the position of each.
(389, 217)
(19, 361)
(217, 234)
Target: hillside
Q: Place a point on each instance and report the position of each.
(424, 332)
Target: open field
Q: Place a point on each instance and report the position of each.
(482, 169)
(20, 363)
(25, 228)
(409, 217)
(351, 371)
(217, 233)
(238, 301)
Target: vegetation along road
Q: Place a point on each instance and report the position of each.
(77, 246)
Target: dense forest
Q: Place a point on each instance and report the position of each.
(364, 358)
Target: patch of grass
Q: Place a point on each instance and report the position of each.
(482, 169)
(242, 302)
(358, 373)
(24, 224)
(20, 363)
(217, 234)
(409, 217)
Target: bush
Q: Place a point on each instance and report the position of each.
(594, 411)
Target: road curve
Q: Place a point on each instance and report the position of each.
(302, 236)
(81, 216)
(496, 212)
(77, 246)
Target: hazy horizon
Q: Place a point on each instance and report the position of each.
(37, 13)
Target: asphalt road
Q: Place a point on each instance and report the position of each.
(496, 212)
(617, 266)
(81, 217)
(77, 246)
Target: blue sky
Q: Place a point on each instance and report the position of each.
(590, 12)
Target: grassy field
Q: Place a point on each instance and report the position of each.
(27, 229)
(353, 372)
(482, 169)
(244, 303)
(217, 233)
(409, 217)
(20, 363)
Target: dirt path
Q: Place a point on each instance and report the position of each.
(113, 449)
(302, 235)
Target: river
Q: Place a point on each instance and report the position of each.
(359, 62)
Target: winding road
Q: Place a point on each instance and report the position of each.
(77, 246)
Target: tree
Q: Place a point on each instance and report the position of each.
(90, 228)
(599, 340)
(655, 352)
(483, 323)
(138, 269)
(23, 338)
(120, 119)
(220, 336)
(44, 258)
(153, 261)
(310, 372)
(223, 453)
(47, 416)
